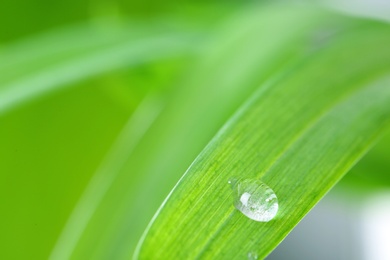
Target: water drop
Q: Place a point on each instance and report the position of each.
(254, 199)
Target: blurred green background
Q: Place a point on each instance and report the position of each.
(51, 146)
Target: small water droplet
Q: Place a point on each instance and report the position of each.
(252, 256)
(255, 199)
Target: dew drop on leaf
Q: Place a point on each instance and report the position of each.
(254, 199)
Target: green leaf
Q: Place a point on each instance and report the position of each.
(371, 172)
(299, 134)
(29, 71)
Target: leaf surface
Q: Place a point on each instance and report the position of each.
(299, 134)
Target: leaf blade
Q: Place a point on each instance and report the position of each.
(188, 210)
(99, 52)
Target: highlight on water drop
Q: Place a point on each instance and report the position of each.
(254, 199)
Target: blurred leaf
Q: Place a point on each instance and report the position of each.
(28, 70)
(123, 147)
(49, 150)
(51, 146)
(372, 172)
(299, 134)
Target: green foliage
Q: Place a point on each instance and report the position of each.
(101, 120)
